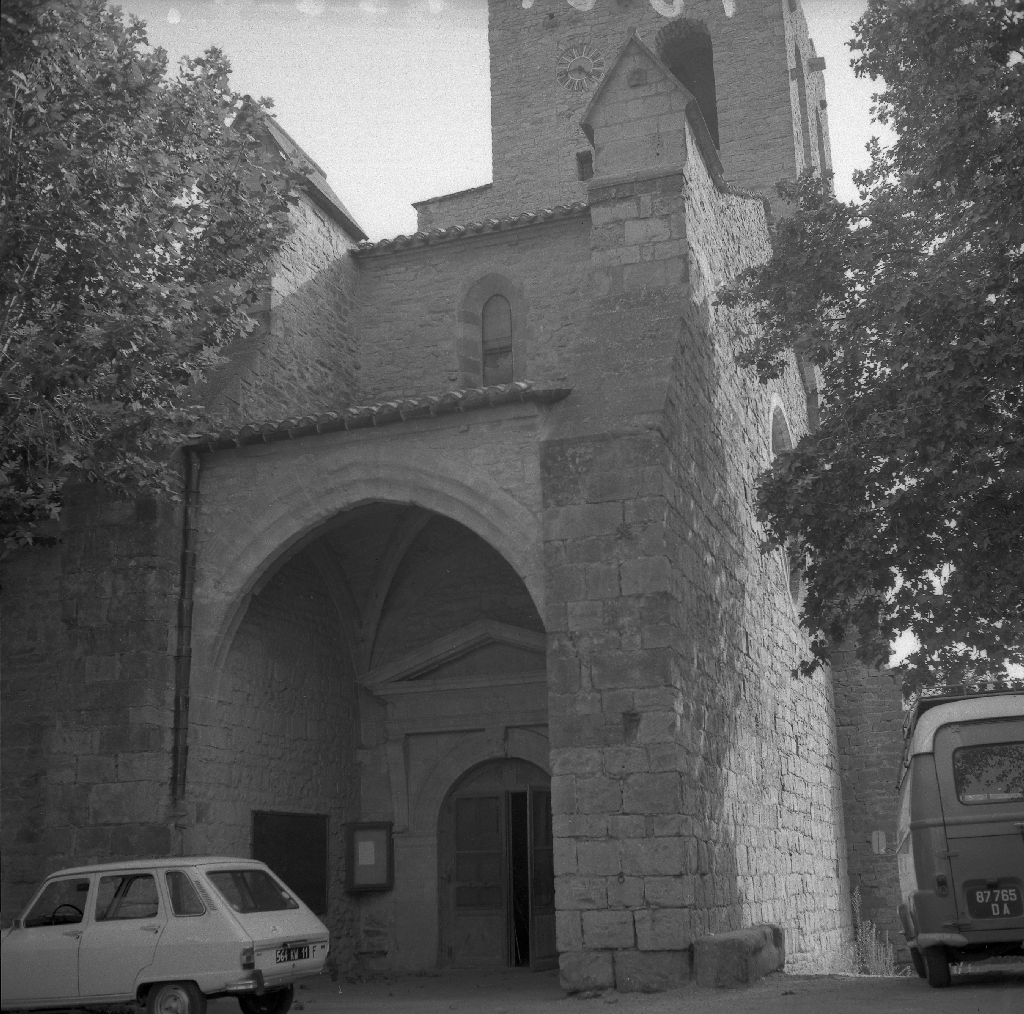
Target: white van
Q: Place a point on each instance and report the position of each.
(960, 833)
(171, 933)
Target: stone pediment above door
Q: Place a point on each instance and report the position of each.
(481, 650)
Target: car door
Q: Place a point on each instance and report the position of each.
(40, 956)
(120, 940)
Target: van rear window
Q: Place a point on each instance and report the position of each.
(251, 891)
(989, 773)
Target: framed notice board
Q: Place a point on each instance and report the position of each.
(294, 846)
(370, 862)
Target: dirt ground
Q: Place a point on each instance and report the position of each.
(981, 990)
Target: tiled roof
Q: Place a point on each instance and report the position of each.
(454, 232)
(378, 414)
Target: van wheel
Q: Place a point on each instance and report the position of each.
(274, 1001)
(175, 998)
(936, 966)
(915, 957)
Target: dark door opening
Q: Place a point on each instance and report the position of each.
(496, 869)
(519, 879)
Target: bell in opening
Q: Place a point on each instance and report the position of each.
(685, 48)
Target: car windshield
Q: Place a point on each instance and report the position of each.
(62, 902)
(989, 773)
(251, 891)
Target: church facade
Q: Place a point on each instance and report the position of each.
(463, 624)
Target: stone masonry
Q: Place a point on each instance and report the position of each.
(403, 578)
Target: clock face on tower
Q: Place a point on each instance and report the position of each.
(580, 68)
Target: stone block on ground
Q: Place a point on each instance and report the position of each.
(651, 971)
(738, 958)
(582, 970)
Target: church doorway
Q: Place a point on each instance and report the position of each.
(496, 871)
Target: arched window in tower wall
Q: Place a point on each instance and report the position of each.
(685, 48)
(496, 341)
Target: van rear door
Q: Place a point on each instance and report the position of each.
(981, 781)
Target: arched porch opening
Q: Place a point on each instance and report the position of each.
(371, 651)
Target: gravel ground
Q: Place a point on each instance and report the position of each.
(981, 990)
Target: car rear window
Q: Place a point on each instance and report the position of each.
(251, 891)
(989, 773)
(184, 899)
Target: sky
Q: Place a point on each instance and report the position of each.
(392, 97)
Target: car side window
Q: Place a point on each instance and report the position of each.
(62, 903)
(184, 899)
(127, 896)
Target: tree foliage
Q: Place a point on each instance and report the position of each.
(138, 221)
(909, 498)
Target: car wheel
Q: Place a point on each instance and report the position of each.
(274, 1001)
(936, 966)
(915, 957)
(175, 998)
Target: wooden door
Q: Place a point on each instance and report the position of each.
(495, 866)
(477, 890)
(543, 951)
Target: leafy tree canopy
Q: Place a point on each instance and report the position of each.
(138, 219)
(908, 499)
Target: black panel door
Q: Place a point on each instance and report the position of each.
(294, 846)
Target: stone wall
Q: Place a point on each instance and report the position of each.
(88, 673)
(695, 784)
(301, 357)
(869, 718)
(810, 109)
(535, 121)
(281, 734)
(414, 300)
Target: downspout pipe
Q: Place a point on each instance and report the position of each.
(183, 647)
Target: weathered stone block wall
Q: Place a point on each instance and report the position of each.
(281, 734)
(534, 120)
(696, 785)
(869, 715)
(783, 801)
(814, 106)
(411, 301)
(300, 359)
(88, 686)
(451, 209)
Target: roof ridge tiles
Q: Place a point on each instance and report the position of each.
(450, 233)
(377, 414)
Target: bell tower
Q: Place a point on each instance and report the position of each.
(749, 63)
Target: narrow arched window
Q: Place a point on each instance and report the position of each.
(781, 438)
(685, 48)
(496, 339)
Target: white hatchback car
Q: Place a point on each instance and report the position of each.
(171, 933)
